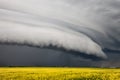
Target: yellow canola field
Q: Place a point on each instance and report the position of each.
(57, 73)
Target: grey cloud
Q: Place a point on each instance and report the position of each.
(87, 27)
(31, 56)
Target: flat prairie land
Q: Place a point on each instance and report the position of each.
(58, 73)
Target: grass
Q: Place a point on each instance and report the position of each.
(51, 73)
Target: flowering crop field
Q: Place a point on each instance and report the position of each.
(57, 73)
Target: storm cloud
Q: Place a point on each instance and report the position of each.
(89, 26)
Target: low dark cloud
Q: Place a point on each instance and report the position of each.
(30, 56)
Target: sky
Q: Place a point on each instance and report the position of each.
(60, 33)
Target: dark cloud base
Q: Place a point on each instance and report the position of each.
(30, 56)
(60, 49)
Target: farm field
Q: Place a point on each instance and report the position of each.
(58, 73)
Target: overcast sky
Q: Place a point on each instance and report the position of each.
(60, 33)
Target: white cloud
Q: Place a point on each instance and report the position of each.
(84, 26)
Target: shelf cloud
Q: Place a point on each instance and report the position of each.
(86, 27)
